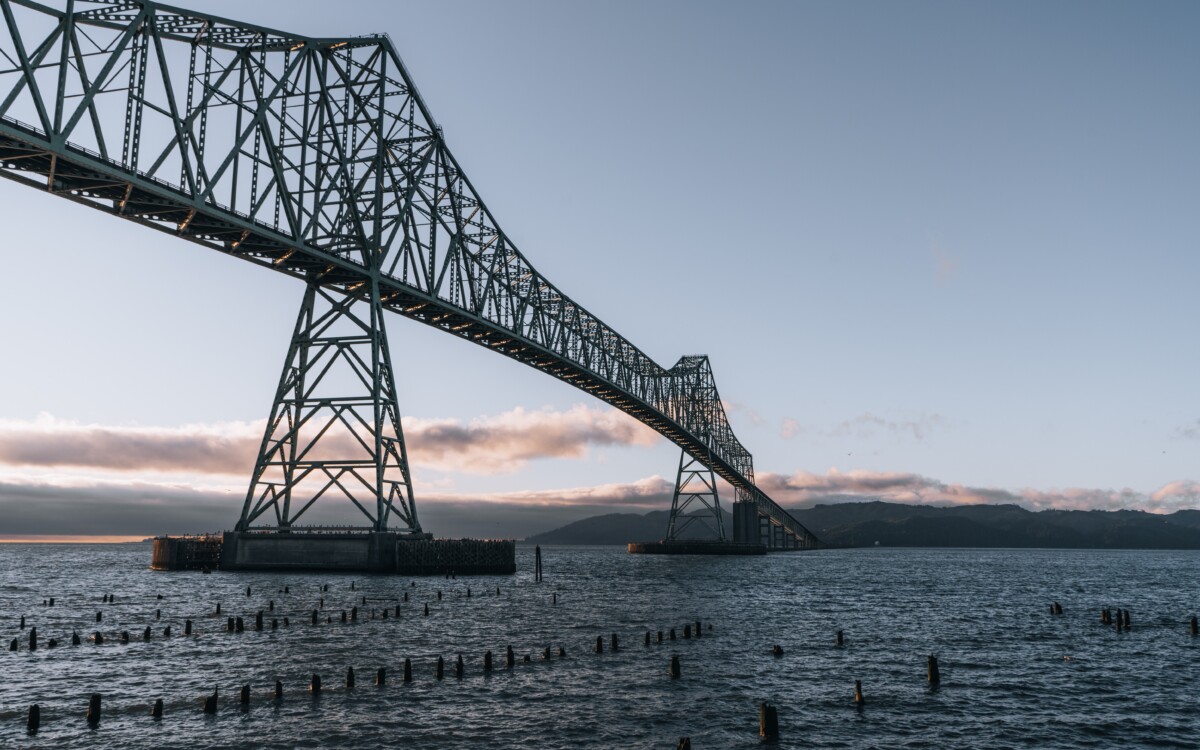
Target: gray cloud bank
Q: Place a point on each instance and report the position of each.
(137, 509)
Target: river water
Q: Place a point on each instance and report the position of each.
(1012, 674)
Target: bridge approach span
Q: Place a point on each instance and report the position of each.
(317, 158)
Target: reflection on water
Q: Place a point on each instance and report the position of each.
(1012, 674)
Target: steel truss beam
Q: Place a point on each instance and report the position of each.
(315, 157)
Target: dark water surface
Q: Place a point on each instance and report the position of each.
(1012, 674)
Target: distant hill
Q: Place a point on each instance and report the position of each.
(863, 524)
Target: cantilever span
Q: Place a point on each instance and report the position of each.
(317, 157)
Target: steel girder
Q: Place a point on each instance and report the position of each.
(318, 158)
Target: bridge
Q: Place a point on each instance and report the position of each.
(317, 158)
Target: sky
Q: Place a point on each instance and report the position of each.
(937, 252)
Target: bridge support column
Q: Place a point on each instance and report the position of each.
(695, 483)
(334, 430)
(745, 523)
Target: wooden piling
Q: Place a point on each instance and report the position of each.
(380, 677)
(156, 711)
(441, 668)
(672, 633)
(146, 633)
(546, 654)
(932, 673)
(697, 628)
(99, 616)
(52, 643)
(397, 610)
(439, 595)
(660, 636)
(1125, 615)
(458, 666)
(278, 690)
(167, 632)
(343, 615)
(75, 640)
(349, 678)
(22, 622)
(687, 632)
(187, 627)
(314, 617)
(258, 620)
(13, 645)
(241, 625)
(646, 640)
(840, 641)
(34, 722)
(247, 591)
(777, 650)
(537, 563)
(768, 722)
(1195, 627)
(218, 608)
(244, 698)
(508, 657)
(93, 711)
(599, 648)
(124, 636)
(487, 661)
(859, 700)
(685, 743)
(158, 614)
(408, 670)
(314, 685)
(673, 669)
(354, 614)
(98, 638)
(33, 639)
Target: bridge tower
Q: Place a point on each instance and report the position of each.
(695, 484)
(334, 428)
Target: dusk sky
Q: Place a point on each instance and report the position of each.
(937, 252)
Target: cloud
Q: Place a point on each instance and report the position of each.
(1189, 431)
(868, 425)
(506, 442)
(488, 445)
(805, 488)
(141, 508)
(790, 428)
(136, 508)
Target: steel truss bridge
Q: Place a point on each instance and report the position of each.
(317, 158)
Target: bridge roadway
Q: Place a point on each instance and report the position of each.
(374, 204)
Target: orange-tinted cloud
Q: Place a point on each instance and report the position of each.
(488, 445)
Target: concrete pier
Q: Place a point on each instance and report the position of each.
(333, 550)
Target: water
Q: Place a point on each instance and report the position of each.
(1012, 675)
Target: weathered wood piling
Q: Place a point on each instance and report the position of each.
(768, 722)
